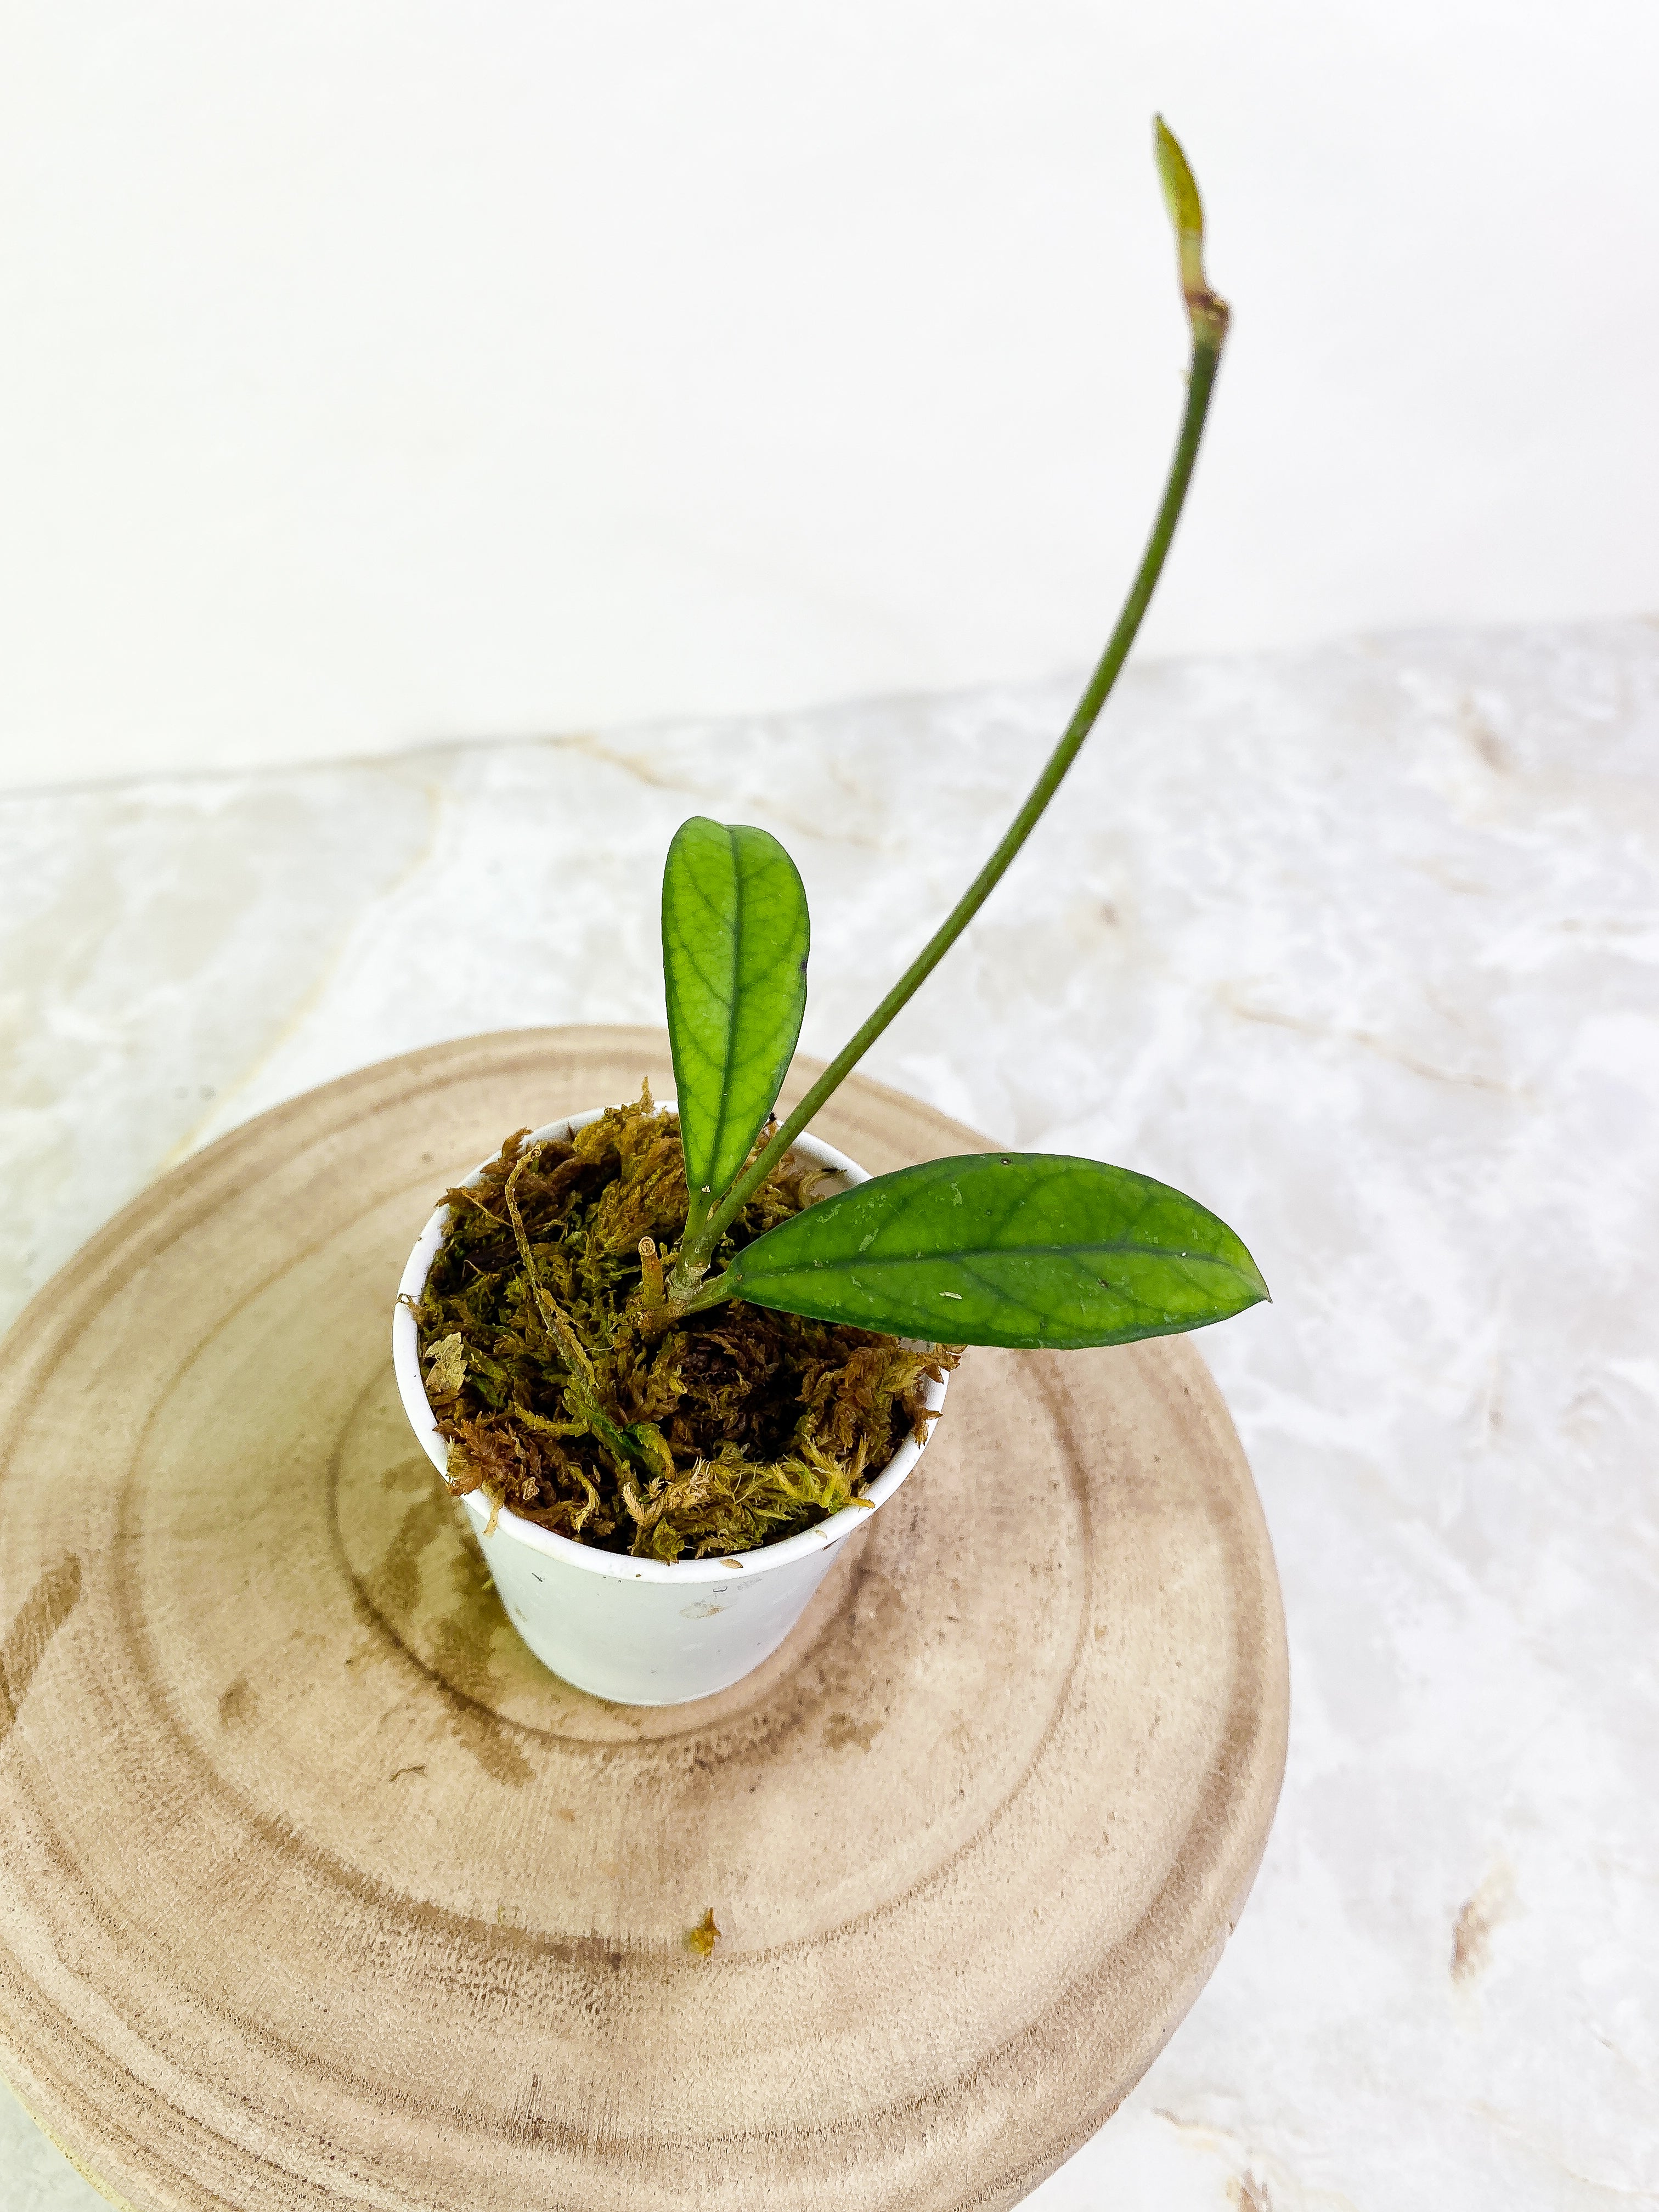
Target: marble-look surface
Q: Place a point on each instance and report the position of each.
(1361, 947)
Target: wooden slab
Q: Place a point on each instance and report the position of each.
(316, 1891)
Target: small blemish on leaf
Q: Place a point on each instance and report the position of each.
(957, 1295)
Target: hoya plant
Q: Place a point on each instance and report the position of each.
(581, 1324)
(1027, 1249)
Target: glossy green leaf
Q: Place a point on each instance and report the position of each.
(1021, 1248)
(734, 943)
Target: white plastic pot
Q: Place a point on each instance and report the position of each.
(639, 1631)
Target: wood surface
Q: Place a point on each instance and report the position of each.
(317, 1891)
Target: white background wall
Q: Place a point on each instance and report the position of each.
(377, 372)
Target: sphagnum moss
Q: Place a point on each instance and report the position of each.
(744, 1426)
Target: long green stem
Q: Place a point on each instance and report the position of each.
(1208, 316)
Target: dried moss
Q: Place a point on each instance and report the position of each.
(741, 1426)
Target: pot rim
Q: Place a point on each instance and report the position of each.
(620, 1566)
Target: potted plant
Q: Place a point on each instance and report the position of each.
(672, 1359)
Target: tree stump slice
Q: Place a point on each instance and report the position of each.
(318, 1891)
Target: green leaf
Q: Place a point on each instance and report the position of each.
(1208, 314)
(1180, 186)
(1022, 1248)
(734, 943)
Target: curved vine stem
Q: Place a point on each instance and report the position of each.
(1208, 316)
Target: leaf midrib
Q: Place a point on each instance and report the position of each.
(731, 1004)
